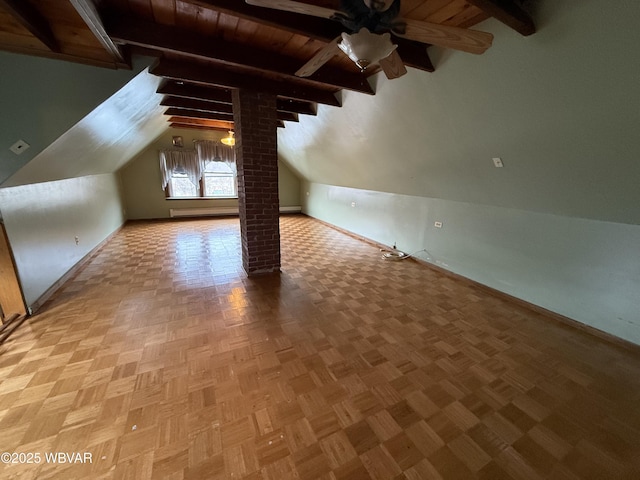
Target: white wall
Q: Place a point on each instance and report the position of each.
(587, 270)
(43, 98)
(141, 180)
(561, 108)
(105, 139)
(42, 221)
(558, 225)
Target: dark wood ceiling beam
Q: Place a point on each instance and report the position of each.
(30, 18)
(509, 13)
(199, 105)
(183, 112)
(413, 54)
(196, 127)
(202, 122)
(288, 117)
(218, 77)
(295, 106)
(186, 43)
(196, 92)
(89, 13)
(205, 127)
(61, 56)
(317, 28)
(214, 107)
(208, 94)
(226, 116)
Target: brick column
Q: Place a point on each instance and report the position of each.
(255, 123)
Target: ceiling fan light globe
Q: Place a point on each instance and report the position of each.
(363, 64)
(366, 48)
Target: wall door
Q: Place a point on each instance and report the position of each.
(11, 299)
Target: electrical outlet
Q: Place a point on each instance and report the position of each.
(438, 224)
(77, 240)
(498, 162)
(353, 204)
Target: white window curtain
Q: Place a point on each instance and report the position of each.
(212, 151)
(180, 161)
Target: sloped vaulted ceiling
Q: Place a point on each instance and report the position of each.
(202, 50)
(565, 130)
(205, 48)
(105, 139)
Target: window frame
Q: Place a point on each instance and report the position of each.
(201, 189)
(171, 194)
(203, 184)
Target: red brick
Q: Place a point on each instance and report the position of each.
(255, 119)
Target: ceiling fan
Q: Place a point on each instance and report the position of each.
(370, 23)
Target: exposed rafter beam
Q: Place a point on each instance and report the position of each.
(287, 116)
(89, 13)
(295, 106)
(187, 43)
(214, 107)
(199, 105)
(317, 28)
(226, 116)
(509, 13)
(196, 127)
(196, 92)
(30, 18)
(184, 112)
(413, 54)
(201, 122)
(184, 122)
(217, 77)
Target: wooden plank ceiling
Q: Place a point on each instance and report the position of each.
(206, 48)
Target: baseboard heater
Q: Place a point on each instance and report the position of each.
(218, 211)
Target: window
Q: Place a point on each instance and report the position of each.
(208, 171)
(219, 181)
(181, 186)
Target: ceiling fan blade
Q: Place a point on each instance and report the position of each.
(325, 54)
(295, 7)
(392, 65)
(464, 39)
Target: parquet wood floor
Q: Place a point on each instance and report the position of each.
(161, 359)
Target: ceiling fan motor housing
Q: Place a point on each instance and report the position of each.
(358, 15)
